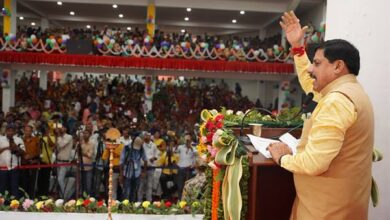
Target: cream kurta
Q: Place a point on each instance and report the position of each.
(332, 167)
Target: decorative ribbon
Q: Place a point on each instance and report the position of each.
(376, 156)
(142, 51)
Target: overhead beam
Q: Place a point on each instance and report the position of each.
(32, 9)
(293, 5)
(36, 11)
(227, 5)
(182, 24)
(290, 7)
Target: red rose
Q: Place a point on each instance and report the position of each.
(219, 124)
(168, 204)
(100, 203)
(219, 118)
(210, 137)
(210, 125)
(86, 202)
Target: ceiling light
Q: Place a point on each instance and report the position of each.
(129, 28)
(183, 30)
(242, 12)
(234, 21)
(189, 9)
(120, 15)
(21, 18)
(59, 3)
(88, 26)
(186, 19)
(32, 23)
(71, 13)
(115, 6)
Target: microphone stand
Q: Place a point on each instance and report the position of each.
(243, 138)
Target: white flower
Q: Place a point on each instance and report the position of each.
(219, 132)
(215, 137)
(229, 112)
(239, 113)
(59, 202)
(92, 199)
(137, 204)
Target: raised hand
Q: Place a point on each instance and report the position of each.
(291, 26)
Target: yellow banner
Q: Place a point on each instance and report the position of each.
(150, 19)
(7, 19)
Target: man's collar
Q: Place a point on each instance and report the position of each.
(337, 82)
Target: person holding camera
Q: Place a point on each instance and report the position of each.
(169, 160)
(29, 177)
(11, 150)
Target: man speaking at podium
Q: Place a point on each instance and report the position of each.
(332, 166)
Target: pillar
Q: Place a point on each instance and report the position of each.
(43, 80)
(9, 20)
(44, 24)
(151, 18)
(8, 84)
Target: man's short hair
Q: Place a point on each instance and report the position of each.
(339, 49)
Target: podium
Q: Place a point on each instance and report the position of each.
(271, 188)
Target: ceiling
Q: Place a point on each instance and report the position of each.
(211, 16)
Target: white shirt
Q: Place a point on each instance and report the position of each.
(64, 147)
(186, 156)
(124, 141)
(5, 156)
(151, 151)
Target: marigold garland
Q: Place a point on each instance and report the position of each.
(216, 195)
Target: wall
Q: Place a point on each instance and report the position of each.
(366, 24)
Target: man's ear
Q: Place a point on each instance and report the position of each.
(340, 67)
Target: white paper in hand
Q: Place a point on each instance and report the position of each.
(291, 141)
(261, 144)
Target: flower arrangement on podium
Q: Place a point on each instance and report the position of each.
(287, 117)
(228, 173)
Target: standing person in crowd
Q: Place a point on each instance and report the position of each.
(158, 141)
(88, 152)
(332, 166)
(47, 146)
(169, 160)
(115, 176)
(186, 163)
(125, 139)
(11, 150)
(130, 168)
(148, 180)
(29, 177)
(64, 145)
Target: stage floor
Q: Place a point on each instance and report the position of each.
(90, 216)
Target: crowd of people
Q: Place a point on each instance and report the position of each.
(65, 125)
(112, 41)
